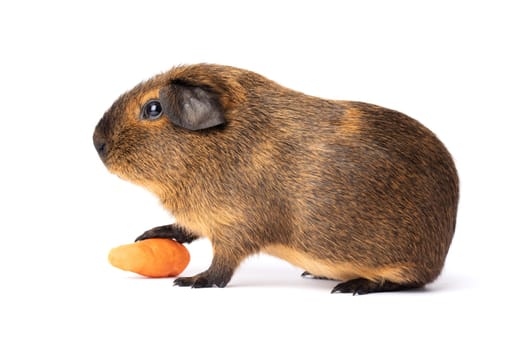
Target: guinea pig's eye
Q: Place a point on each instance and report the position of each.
(151, 110)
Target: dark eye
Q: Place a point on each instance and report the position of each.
(152, 110)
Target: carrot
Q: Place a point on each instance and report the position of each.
(155, 257)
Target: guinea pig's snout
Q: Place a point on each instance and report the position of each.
(100, 145)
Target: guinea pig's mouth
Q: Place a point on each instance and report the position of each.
(101, 149)
(119, 166)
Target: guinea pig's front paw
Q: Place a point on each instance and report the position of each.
(173, 231)
(201, 280)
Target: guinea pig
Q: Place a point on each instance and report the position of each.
(347, 191)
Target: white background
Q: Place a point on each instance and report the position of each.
(456, 66)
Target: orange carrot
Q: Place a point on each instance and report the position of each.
(155, 257)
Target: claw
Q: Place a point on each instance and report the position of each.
(183, 282)
(362, 286)
(198, 282)
(168, 231)
(358, 286)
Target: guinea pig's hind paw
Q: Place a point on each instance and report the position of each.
(308, 275)
(363, 286)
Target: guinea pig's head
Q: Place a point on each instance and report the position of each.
(149, 134)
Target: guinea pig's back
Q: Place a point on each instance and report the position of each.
(377, 188)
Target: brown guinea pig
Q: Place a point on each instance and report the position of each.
(348, 191)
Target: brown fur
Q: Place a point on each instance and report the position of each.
(345, 190)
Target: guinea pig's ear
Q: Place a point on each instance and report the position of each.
(191, 107)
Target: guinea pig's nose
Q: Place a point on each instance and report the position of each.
(100, 146)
